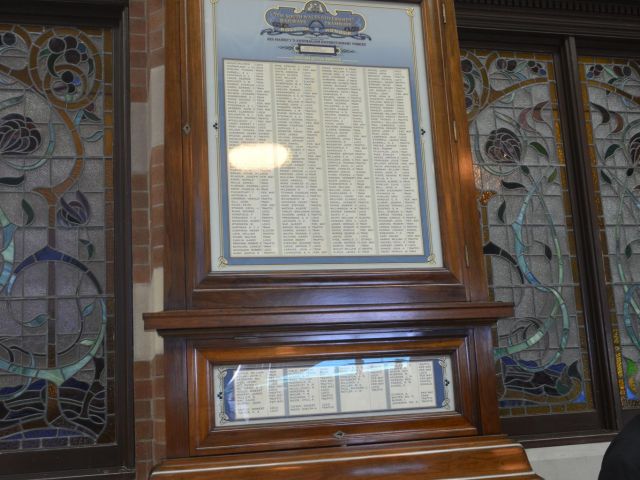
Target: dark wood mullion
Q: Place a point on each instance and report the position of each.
(123, 275)
(587, 238)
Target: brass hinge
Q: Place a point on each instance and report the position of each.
(455, 131)
(444, 13)
(466, 255)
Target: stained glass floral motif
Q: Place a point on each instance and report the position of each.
(611, 93)
(56, 230)
(527, 232)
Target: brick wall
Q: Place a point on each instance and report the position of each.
(149, 413)
(146, 21)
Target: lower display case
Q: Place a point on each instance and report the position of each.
(269, 393)
(407, 391)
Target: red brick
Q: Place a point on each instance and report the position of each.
(157, 155)
(137, 26)
(156, 57)
(142, 470)
(159, 452)
(158, 408)
(157, 195)
(157, 174)
(141, 274)
(144, 451)
(141, 370)
(157, 216)
(137, 9)
(138, 76)
(138, 59)
(140, 235)
(140, 255)
(140, 218)
(138, 43)
(157, 236)
(139, 93)
(156, 40)
(156, 20)
(142, 389)
(159, 431)
(144, 430)
(157, 256)
(140, 200)
(142, 409)
(158, 387)
(139, 183)
(155, 5)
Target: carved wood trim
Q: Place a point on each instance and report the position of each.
(589, 7)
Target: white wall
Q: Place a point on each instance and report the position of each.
(581, 462)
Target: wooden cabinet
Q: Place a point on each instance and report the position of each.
(216, 318)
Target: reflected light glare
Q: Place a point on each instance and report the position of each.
(259, 156)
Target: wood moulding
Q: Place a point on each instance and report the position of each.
(590, 7)
(354, 314)
(462, 443)
(488, 457)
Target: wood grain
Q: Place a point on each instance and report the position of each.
(494, 457)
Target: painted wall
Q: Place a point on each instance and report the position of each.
(568, 462)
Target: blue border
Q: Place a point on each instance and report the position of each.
(229, 403)
(226, 249)
(438, 379)
(229, 395)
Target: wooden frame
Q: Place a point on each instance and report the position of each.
(116, 460)
(272, 316)
(462, 330)
(566, 29)
(212, 440)
(252, 328)
(188, 282)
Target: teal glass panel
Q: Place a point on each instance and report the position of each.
(527, 231)
(56, 229)
(611, 94)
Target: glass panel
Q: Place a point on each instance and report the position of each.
(56, 225)
(527, 231)
(249, 394)
(611, 93)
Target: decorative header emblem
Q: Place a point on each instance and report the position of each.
(315, 20)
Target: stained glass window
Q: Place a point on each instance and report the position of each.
(56, 223)
(527, 231)
(611, 94)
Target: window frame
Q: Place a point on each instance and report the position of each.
(116, 460)
(567, 30)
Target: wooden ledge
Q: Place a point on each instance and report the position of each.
(489, 457)
(371, 315)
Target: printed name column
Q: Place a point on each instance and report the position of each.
(394, 162)
(249, 122)
(347, 157)
(302, 208)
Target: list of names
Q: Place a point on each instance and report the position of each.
(349, 185)
(285, 392)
